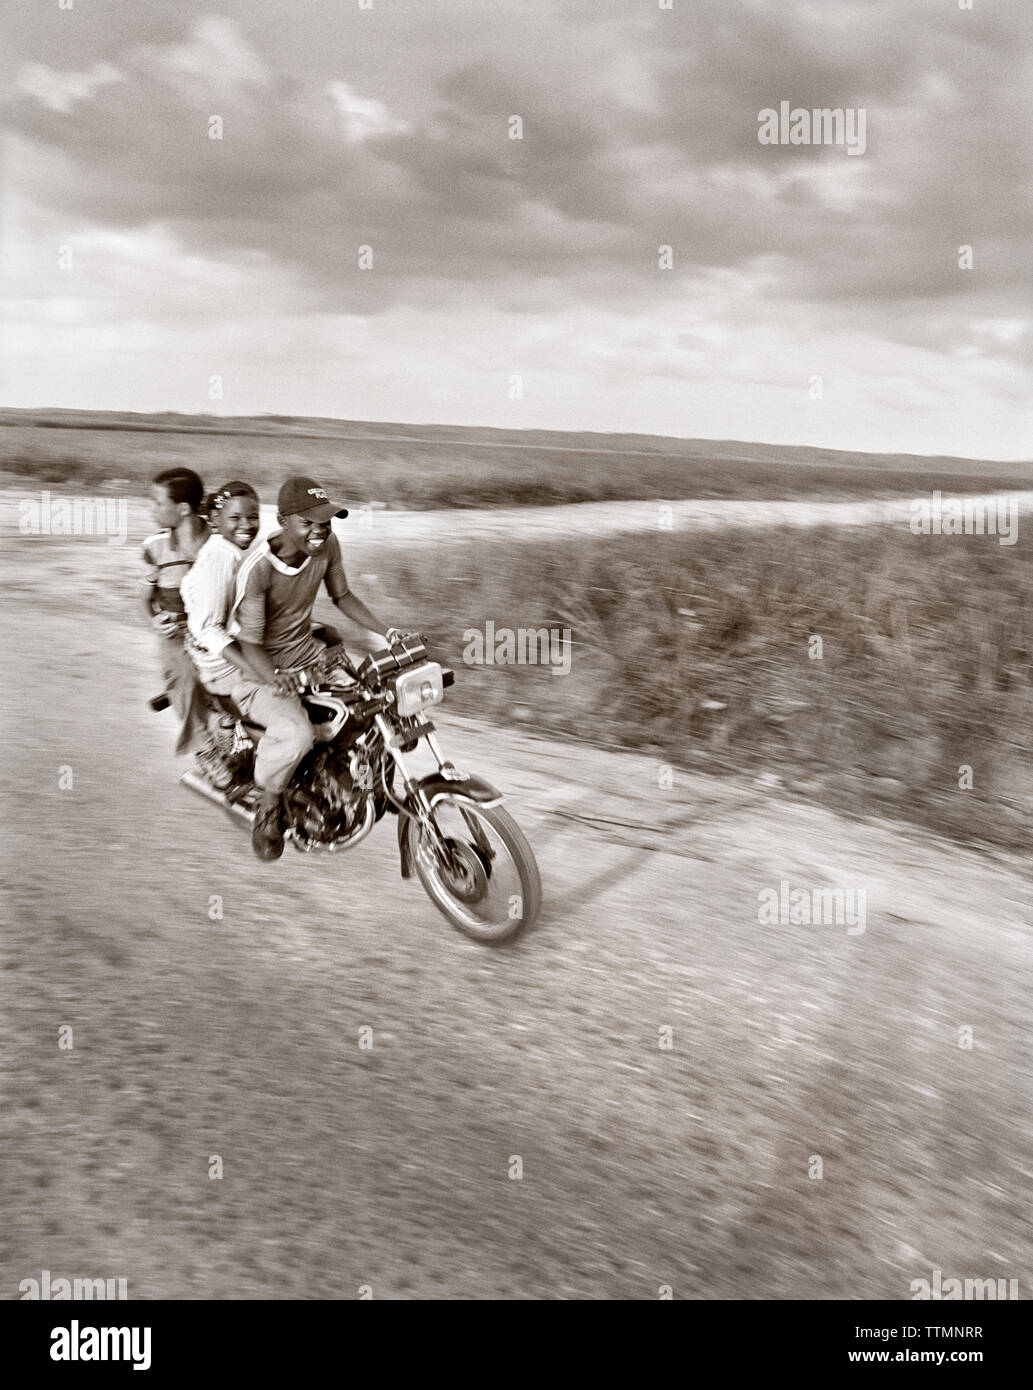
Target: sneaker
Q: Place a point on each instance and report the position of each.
(267, 828)
(212, 766)
(242, 793)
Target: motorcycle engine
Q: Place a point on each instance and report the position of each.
(327, 801)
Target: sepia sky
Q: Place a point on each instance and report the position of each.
(389, 127)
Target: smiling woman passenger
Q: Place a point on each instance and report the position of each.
(208, 589)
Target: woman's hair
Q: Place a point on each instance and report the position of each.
(182, 485)
(215, 501)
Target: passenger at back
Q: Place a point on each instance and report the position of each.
(168, 556)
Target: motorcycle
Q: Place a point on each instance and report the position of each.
(468, 853)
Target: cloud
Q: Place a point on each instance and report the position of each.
(638, 129)
(59, 91)
(362, 119)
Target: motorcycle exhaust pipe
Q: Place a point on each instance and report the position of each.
(197, 783)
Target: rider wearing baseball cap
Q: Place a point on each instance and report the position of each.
(304, 497)
(277, 585)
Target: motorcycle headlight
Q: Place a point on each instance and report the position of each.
(419, 688)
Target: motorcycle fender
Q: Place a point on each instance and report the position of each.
(471, 786)
(475, 788)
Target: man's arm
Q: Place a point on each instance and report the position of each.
(256, 656)
(165, 623)
(343, 599)
(353, 607)
(150, 603)
(236, 655)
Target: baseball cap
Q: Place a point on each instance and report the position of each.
(303, 497)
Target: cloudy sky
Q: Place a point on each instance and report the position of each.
(141, 257)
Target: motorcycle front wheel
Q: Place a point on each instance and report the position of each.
(481, 873)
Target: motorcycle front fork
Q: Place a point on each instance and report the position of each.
(414, 796)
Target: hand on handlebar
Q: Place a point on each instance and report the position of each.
(288, 682)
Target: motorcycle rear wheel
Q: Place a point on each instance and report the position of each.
(461, 890)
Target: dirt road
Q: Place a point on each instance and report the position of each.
(381, 527)
(586, 519)
(197, 1035)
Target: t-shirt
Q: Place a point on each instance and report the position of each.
(273, 606)
(166, 566)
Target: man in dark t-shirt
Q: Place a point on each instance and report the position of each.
(277, 586)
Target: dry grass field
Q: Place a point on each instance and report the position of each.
(699, 647)
(434, 466)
